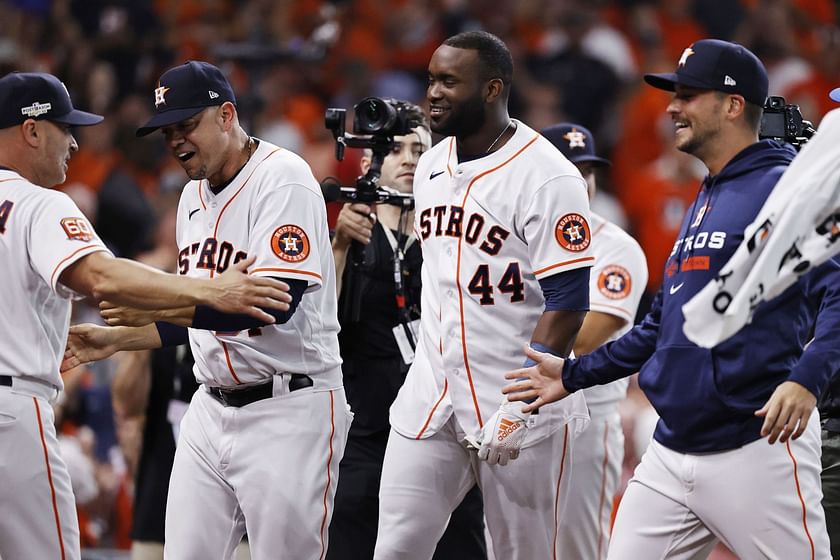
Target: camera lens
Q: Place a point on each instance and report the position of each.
(373, 116)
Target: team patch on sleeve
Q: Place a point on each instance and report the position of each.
(614, 282)
(572, 233)
(290, 243)
(77, 229)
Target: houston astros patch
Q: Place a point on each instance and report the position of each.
(290, 243)
(572, 233)
(614, 282)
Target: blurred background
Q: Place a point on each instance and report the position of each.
(288, 60)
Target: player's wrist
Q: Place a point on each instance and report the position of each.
(514, 408)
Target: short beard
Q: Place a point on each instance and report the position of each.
(469, 120)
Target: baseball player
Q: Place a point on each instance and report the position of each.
(616, 284)
(708, 475)
(262, 438)
(376, 353)
(504, 224)
(51, 254)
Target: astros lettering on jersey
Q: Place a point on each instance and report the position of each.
(485, 247)
(215, 231)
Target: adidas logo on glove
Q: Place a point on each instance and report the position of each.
(507, 427)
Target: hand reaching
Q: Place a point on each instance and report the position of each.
(120, 315)
(88, 343)
(542, 381)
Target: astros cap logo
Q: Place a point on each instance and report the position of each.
(159, 93)
(576, 139)
(685, 54)
(572, 233)
(614, 282)
(290, 243)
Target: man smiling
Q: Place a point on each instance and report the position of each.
(708, 476)
(504, 226)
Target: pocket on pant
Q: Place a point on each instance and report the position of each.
(7, 420)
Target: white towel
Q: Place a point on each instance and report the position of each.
(797, 229)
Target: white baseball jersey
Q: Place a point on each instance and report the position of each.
(616, 284)
(42, 232)
(273, 209)
(490, 229)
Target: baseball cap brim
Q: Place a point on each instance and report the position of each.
(78, 118)
(592, 159)
(167, 118)
(835, 94)
(668, 81)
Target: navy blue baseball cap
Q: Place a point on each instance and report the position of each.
(720, 66)
(575, 142)
(39, 96)
(185, 91)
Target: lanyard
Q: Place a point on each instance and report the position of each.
(399, 248)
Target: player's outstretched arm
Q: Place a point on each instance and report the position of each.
(125, 316)
(786, 412)
(542, 381)
(133, 284)
(90, 343)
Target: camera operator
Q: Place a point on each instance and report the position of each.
(709, 474)
(374, 367)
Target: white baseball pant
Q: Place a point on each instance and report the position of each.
(38, 507)
(599, 452)
(424, 480)
(761, 500)
(272, 464)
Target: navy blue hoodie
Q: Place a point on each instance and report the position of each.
(706, 398)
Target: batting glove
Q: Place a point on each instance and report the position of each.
(502, 435)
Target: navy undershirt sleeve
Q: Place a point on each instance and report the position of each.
(171, 335)
(567, 291)
(207, 318)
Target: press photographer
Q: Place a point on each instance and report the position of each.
(379, 303)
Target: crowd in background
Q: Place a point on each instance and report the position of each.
(289, 60)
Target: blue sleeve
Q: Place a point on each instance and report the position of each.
(821, 359)
(617, 359)
(171, 335)
(207, 318)
(567, 291)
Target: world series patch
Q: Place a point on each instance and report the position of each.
(290, 243)
(572, 233)
(614, 282)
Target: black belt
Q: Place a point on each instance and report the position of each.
(6, 380)
(248, 395)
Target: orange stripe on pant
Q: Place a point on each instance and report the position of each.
(557, 491)
(603, 485)
(801, 500)
(49, 477)
(329, 477)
